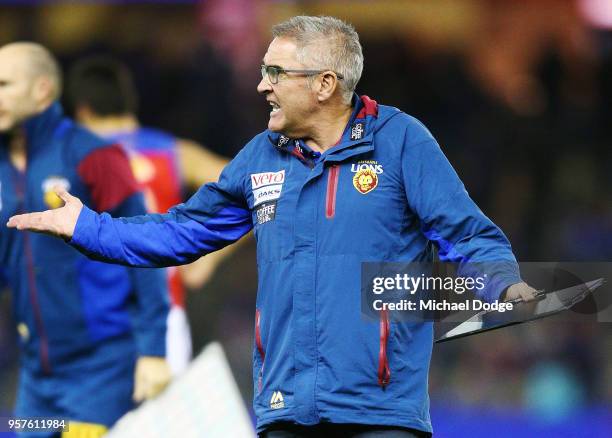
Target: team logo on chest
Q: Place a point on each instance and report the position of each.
(48, 188)
(366, 175)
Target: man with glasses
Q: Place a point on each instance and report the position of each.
(272, 72)
(335, 180)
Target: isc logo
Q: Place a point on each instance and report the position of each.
(277, 401)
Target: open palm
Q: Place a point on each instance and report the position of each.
(59, 222)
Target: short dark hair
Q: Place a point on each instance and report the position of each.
(104, 84)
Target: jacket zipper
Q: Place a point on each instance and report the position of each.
(260, 349)
(43, 341)
(332, 189)
(384, 373)
(43, 344)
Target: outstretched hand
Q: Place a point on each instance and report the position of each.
(59, 222)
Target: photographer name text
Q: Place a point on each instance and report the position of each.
(435, 305)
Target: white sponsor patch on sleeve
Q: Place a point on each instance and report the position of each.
(267, 178)
(267, 186)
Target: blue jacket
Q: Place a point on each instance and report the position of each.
(381, 194)
(64, 303)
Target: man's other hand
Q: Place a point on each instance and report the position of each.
(520, 290)
(151, 377)
(59, 222)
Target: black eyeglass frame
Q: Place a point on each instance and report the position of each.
(273, 78)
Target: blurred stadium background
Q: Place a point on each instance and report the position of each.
(519, 94)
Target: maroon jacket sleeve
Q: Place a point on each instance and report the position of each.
(108, 174)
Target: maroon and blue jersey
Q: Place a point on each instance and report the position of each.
(155, 164)
(65, 304)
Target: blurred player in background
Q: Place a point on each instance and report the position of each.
(103, 97)
(92, 335)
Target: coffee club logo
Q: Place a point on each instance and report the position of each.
(366, 175)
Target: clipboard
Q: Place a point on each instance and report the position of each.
(545, 304)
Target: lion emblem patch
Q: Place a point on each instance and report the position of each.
(365, 181)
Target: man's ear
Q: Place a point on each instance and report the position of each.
(326, 86)
(43, 91)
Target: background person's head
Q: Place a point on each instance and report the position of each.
(100, 87)
(30, 80)
(325, 45)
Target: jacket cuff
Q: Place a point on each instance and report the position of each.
(154, 344)
(84, 233)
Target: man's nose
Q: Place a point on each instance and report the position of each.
(264, 86)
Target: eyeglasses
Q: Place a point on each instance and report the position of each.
(272, 72)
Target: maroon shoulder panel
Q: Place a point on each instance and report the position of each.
(108, 174)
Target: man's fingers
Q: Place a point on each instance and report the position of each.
(14, 221)
(521, 291)
(57, 222)
(156, 387)
(63, 194)
(30, 221)
(528, 293)
(146, 388)
(138, 396)
(152, 375)
(39, 222)
(139, 391)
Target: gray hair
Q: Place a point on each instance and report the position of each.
(341, 52)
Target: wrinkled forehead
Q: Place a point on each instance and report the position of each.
(281, 52)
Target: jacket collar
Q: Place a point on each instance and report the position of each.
(43, 127)
(361, 123)
(356, 138)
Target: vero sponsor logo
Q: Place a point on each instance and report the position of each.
(267, 178)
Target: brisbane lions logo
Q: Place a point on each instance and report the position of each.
(366, 175)
(365, 181)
